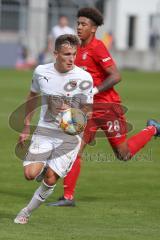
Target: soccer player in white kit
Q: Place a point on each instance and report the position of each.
(61, 85)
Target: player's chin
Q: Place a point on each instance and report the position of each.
(81, 38)
(69, 67)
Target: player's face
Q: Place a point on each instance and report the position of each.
(85, 28)
(65, 58)
(63, 21)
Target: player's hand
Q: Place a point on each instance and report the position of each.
(24, 135)
(95, 91)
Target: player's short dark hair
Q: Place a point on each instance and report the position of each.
(91, 13)
(66, 39)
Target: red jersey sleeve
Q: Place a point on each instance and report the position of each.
(102, 55)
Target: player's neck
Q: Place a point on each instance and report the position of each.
(87, 41)
(60, 69)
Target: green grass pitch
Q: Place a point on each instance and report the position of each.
(115, 200)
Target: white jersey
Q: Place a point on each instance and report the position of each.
(73, 88)
(57, 31)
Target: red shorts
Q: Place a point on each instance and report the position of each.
(108, 118)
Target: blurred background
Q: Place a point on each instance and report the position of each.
(131, 30)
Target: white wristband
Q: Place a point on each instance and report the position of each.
(95, 90)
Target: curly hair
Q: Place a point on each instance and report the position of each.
(69, 39)
(91, 13)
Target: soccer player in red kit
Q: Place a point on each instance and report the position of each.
(93, 56)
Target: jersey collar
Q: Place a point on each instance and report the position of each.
(89, 44)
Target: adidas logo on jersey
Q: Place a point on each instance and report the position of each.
(106, 59)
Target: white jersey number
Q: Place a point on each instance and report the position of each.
(113, 126)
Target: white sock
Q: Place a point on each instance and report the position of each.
(40, 195)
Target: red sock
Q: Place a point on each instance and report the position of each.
(139, 140)
(70, 180)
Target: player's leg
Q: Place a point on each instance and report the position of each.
(125, 149)
(70, 159)
(36, 158)
(115, 127)
(70, 181)
(32, 170)
(41, 194)
(38, 153)
(69, 185)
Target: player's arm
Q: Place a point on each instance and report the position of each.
(104, 59)
(30, 107)
(113, 77)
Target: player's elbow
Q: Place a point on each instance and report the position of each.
(118, 77)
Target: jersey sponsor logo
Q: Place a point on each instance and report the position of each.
(106, 59)
(84, 56)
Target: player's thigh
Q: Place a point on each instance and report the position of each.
(33, 169)
(64, 154)
(39, 151)
(114, 126)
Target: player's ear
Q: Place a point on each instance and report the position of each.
(94, 29)
(55, 53)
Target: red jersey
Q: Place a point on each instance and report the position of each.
(95, 58)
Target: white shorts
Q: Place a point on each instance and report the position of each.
(58, 152)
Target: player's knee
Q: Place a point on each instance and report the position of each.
(29, 175)
(123, 156)
(50, 181)
(51, 178)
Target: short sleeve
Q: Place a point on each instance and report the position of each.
(35, 82)
(102, 55)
